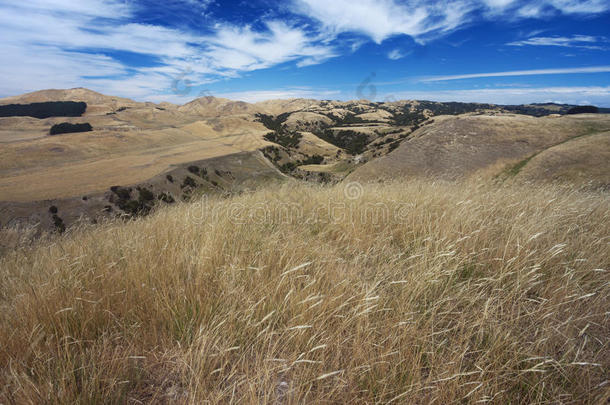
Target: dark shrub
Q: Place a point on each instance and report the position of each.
(145, 194)
(218, 173)
(59, 224)
(288, 167)
(583, 109)
(312, 160)
(166, 198)
(273, 123)
(189, 182)
(122, 193)
(67, 128)
(169, 178)
(53, 209)
(133, 207)
(354, 142)
(194, 170)
(393, 146)
(85, 198)
(44, 110)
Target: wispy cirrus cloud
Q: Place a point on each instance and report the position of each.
(598, 95)
(575, 41)
(381, 19)
(592, 69)
(427, 19)
(62, 43)
(285, 93)
(396, 54)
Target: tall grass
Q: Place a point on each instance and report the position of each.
(468, 294)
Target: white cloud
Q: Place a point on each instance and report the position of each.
(381, 19)
(426, 19)
(263, 95)
(243, 49)
(396, 54)
(63, 43)
(575, 41)
(593, 69)
(598, 95)
(498, 4)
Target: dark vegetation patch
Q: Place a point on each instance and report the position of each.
(170, 178)
(121, 192)
(408, 118)
(393, 146)
(275, 124)
(324, 177)
(44, 110)
(188, 182)
(454, 108)
(53, 209)
(60, 227)
(133, 207)
(197, 171)
(272, 153)
(288, 167)
(312, 160)
(67, 128)
(280, 135)
(583, 109)
(286, 138)
(352, 141)
(118, 110)
(349, 119)
(194, 170)
(166, 198)
(532, 110)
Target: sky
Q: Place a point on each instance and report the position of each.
(492, 51)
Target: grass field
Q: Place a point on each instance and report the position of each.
(418, 292)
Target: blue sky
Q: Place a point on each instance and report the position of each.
(500, 51)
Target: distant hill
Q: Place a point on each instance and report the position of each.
(138, 145)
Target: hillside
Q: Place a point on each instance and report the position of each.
(140, 146)
(464, 146)
(302, 251)
(408, 292)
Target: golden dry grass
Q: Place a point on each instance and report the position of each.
(452, 293)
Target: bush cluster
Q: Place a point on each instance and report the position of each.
(44, 110)
(67, 128)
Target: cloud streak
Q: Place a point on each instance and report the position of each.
(597, 95)
(575, 41)
(593, 69)
(428, 19)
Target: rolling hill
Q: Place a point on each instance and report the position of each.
(140, 146)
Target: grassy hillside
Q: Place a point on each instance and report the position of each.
(475, 145)
(584, 160)
(412, 292)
